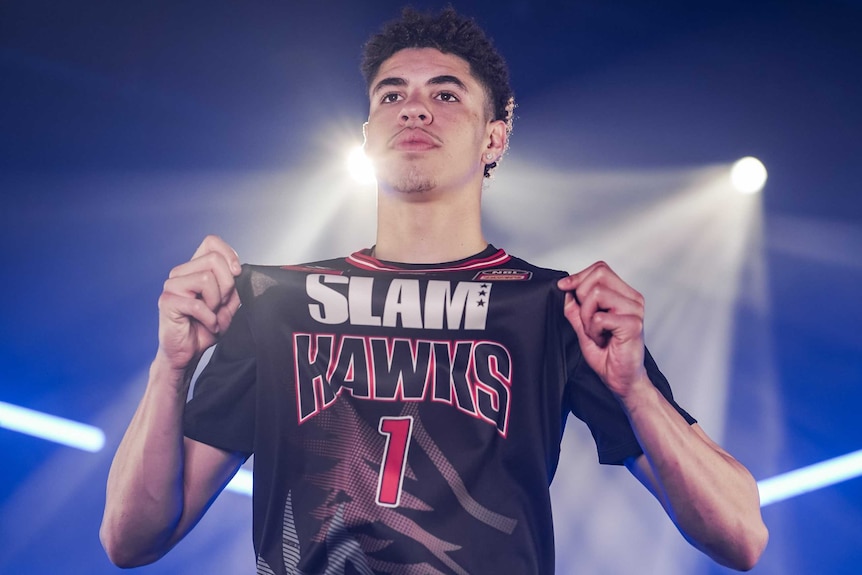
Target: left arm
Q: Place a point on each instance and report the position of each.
(710, 496)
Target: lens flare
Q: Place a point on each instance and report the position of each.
(360, 167)
(748, 175)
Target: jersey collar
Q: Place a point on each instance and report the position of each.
(489, 257)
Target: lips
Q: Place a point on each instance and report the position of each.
(414, 140)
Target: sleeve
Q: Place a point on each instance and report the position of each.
(593, 403)
(221, 411)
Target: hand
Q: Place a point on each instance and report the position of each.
(608, 316)
(197, 304)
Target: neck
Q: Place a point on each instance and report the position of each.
(428, 230)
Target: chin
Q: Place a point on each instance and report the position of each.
(411, 181)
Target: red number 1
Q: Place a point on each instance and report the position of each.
(397, 431)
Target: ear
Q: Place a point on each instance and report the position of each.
(495, 141)
(364, 133)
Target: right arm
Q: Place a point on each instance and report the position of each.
(161, 482)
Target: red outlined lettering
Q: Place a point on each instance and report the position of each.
(398, 431)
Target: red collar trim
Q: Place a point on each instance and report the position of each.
(366, 262)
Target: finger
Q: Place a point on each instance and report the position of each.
(598, 273)
(211, 262)
(572, 312)
(177, 308)
(225, 313)
(602, 298)
(201, 285)
(601, 306)
(598, 325)
(603, 328)
(590, 337)
(572, 281)
(215, 244)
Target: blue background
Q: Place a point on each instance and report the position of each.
(129, 131)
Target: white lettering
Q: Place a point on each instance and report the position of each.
(443, 308)
(403, 299)
(469, 301)
(332, 306)
(359, 299)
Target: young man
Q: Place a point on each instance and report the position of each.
(405, 404)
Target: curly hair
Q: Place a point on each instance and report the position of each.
(450, 33)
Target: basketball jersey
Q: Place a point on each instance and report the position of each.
(404, 419)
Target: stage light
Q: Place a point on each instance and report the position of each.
(748, 175)
(810, 478)
(52, 428)
(360, 167)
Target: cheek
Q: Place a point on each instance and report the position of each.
(373, 139)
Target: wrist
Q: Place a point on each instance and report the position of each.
(639, 394)
(164, 372)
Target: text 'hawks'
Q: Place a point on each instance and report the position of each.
(472, 375)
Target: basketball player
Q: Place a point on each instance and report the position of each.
(405, 404)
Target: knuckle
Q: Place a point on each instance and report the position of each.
(198, 306)
(214, 259)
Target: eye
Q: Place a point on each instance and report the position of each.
(447, 97)
(390, 98)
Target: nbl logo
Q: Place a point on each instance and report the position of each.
(503, 275)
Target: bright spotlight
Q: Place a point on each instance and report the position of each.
(360, 166)
(748, 175)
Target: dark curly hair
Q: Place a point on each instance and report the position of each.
(450, 33)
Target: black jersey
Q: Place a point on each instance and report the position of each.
(404, 419)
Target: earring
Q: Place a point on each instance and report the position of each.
(489, 156)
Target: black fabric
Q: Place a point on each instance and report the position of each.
(328, 369)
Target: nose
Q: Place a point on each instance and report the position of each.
(415, 112)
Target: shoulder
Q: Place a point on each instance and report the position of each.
(516, 264)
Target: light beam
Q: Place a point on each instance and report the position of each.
(810, 478)
(51, 427)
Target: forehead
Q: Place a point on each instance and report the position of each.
(420, 64)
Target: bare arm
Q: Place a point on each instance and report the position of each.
(711, 497)
(161, 483)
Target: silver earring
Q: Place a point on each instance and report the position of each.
(489, 156)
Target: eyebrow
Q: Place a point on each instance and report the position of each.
(435, 81)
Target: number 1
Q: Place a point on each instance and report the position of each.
(397, 431)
